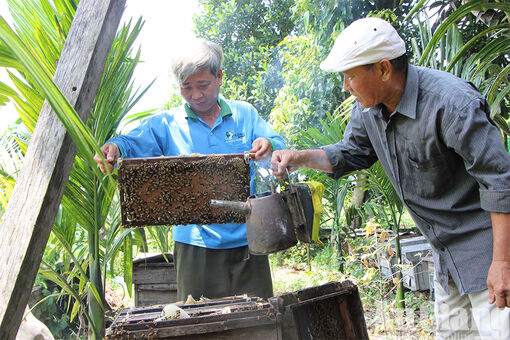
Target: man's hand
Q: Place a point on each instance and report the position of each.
(498, 279)
(262, 149)
(111, 153)
(498, 282)
(291, 160)
(282, 161)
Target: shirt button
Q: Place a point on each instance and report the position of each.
(211, 133)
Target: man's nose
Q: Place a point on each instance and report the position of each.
(196, 94)
(347, 85)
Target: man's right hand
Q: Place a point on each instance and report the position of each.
(290, 160)
(111, 153)
(281, 162)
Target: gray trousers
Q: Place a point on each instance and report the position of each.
(214, 273)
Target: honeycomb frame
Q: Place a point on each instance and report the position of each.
(178, 190)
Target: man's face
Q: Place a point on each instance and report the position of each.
(201, 90)
(365, 84)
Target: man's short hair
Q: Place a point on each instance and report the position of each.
(399, 64)
(195, 56)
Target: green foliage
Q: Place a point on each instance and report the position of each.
(291, 274)
(175, 99)
(41, 79)
(328, 18)
(472, 42)
(49, 311)
(308, 95)
(376, 291)
(272, 54)
(248, 31)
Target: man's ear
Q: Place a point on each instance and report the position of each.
(220, 76)
(385, 68)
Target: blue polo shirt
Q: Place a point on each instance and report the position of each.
(179, 132)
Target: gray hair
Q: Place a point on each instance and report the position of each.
(194, 56)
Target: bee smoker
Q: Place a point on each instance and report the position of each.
(275, 221)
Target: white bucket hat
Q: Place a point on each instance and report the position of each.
(365, 41)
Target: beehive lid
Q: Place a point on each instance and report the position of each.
(153, 258)
(178, 190)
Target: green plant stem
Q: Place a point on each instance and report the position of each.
(400, 303)
(96, 311)
(308, 263)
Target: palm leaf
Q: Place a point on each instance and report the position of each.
(461, 12)
(80, 134)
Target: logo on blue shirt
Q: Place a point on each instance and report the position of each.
(230, 135)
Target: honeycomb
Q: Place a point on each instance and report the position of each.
(178, 190)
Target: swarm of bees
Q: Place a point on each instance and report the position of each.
(178, 190)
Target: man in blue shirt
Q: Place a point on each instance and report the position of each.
(211, 260)
(431, 133)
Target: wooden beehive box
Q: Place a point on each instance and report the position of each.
(155, 280)
(178, 190)
(330, 311)
(234, 317)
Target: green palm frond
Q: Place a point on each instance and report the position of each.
(483, 59)
(500, 30)
(456, 15)
(379, 181)
(80, 134)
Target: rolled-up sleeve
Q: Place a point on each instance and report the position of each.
(495, 200)
(478, 142)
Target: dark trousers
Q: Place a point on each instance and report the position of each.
(214, 273)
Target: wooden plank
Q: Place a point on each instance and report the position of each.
(209, 327)
(155, 294)
(32, 208)
(160, 287)
(158, 274)
(262, 329)
(265, 331)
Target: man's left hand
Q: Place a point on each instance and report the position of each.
(498, 282)
(262, 149)
(498, 279)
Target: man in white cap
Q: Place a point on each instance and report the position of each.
(431, 132)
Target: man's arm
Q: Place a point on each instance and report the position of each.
(295, 159)
(498, 279)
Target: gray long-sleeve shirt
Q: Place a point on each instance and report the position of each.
(446, 161)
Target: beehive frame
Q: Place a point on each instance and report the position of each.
(178, 190)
